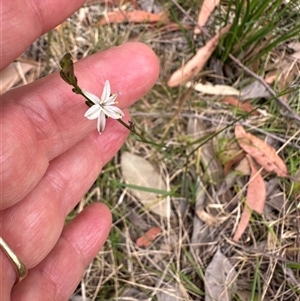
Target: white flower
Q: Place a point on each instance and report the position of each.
(102, 107)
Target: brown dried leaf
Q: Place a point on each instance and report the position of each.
(271, 77)
(229, 154)
(207, 8)
(148, 237)
(245, 105)
(210, 219)
(170, 27)
(263, 153)
(197, 62)
(256, 192)
(284, 75)
(135, 16)
(209, 88)
(244, 221)
(243, 167)
(255, 199)
(234, 160)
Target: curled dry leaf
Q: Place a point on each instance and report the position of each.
(284, 75)
(255, 199)
(243, 223)
(234, 160)
(210, 219)
(207, 8)
(263, 153)
(242, 168)
(148, 237)
(197, 62)
(135, 16)
(245, 106)
(229, 154)
(271, 77)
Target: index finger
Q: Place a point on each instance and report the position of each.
(22, 22)
(42, 120)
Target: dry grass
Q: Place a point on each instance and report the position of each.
(267, 259)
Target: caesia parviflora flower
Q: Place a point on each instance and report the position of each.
(103, 107)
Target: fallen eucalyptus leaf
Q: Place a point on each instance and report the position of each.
(138, 171)
(135, 16)
(255, 199)
(220, 279)
(256, 192)
(207, 8)
(209, 88)
(261, 152)
(148, 237)
(198, 61)
(244, 106)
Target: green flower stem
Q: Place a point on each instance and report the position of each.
(67, 74)
(132, 129)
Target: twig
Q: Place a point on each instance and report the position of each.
(281, 101)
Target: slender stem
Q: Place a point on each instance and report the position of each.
(126, 125)
(143, 139)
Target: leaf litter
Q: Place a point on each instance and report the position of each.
(262, 152)
(148, 237)
(255, 199)
(196, 63)
(206, 10)
(136, 16)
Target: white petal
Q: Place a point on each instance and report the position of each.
(93, 112)
(101, 122)
(113, 112)
(106, 91)
(92, 97)
(111, 100)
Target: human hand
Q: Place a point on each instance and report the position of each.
(51, 154)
